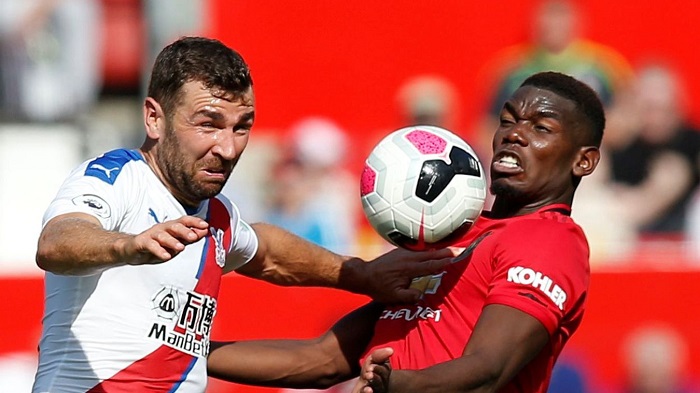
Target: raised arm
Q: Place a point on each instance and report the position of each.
(314, 363)
(504, 341)
(76, 244)
(286, 259)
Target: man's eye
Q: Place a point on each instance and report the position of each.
(242, 129)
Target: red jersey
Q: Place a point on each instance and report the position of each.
(536, 263)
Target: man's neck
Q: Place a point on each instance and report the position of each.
(505, 208)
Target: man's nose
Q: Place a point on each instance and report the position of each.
(225, 146)
(515, 135)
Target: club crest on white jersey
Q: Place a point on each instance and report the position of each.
(217, 235)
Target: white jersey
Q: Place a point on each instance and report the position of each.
(135, 328)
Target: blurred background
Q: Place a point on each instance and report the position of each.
(332, 78)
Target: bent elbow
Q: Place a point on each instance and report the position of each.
(45, 259)
(50, 258)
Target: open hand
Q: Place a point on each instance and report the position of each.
(389, 275)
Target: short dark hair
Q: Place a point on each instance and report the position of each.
(585, 98)
(197, 59)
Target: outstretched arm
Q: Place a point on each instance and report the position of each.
(76, 244)
(286, 259)
(503, 342)
(314, 363)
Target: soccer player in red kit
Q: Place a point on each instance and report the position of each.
(498, 317)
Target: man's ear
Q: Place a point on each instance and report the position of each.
(586, 161)
(153, 118)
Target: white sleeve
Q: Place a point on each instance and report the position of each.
(87, 194)
(245, 240)
(244, 247)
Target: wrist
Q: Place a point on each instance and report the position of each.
(398, 382)
(353, 276)
(119, 251)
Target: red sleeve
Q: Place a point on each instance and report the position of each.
(541, 268)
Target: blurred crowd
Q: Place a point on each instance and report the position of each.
(642, 198)
(642, 204)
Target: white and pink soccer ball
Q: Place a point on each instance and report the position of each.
(422, 187)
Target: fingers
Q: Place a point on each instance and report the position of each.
(449, 252)
(408, 295)
(376, 371)
(176, 234)
(190, 228)
(420, 263)
(426, 267)
(377, 357)
(164, 241)
(361, 386)
(194, 223)
(380, 377)
(160, 251)
(381, 355)
(390, 274)
(367, 372)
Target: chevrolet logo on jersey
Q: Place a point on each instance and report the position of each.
(427, 284)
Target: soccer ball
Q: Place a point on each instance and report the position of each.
(422, 187)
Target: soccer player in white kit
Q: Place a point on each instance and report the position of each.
(136, 241)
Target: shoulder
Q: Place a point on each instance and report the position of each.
(222, 204)
(110, 165)
(607, 57)
(505, 62)
(543, 237)
(547, 254)
(598, 49)
(223, 211)
(552, 223)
